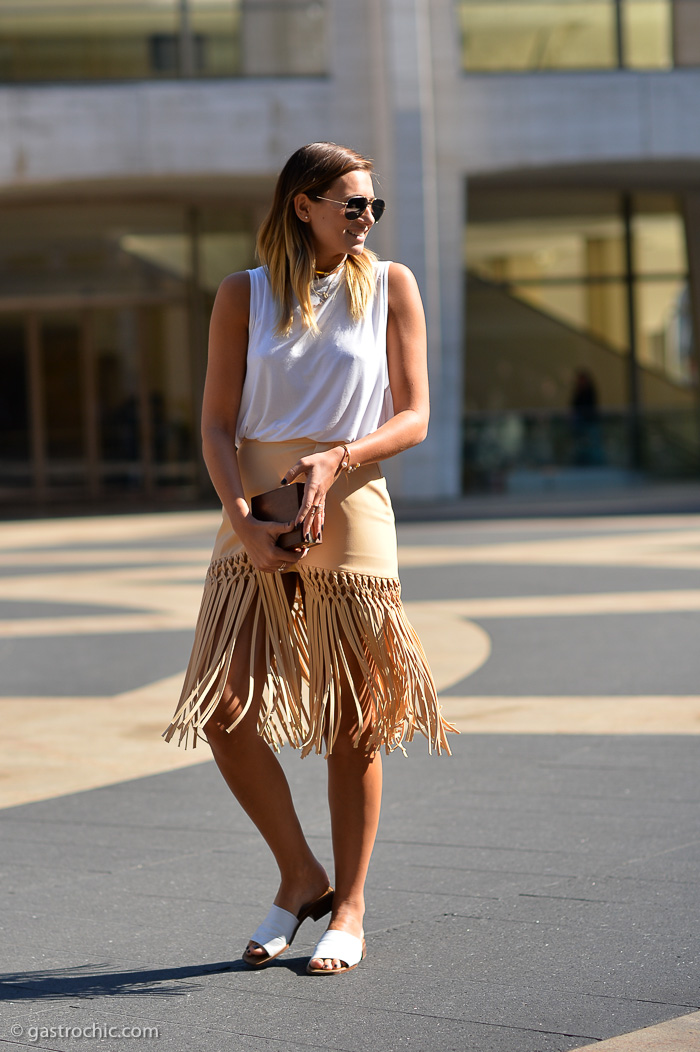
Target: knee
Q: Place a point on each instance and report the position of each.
(228, 724)
(348, 748)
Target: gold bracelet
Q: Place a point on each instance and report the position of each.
(345, 462)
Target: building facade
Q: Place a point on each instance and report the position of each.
(541, 163)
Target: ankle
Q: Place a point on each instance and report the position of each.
(301, 885)
(348, 914)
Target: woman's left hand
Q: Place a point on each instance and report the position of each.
(321, 470)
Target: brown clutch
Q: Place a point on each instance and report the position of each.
(282, 505)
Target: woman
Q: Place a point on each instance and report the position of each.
(317, 371)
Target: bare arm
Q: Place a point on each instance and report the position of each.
(408, 379)
(228, 348)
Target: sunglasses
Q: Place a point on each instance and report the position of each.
(356, 206)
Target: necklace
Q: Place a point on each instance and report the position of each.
(327, 283)
(327, 273)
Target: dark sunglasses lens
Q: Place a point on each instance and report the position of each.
(378, 207)
(355, 206)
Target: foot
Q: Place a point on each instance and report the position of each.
(347, 917)
(293, 896)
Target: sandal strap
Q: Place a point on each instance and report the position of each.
(340, 946)
(276, 931)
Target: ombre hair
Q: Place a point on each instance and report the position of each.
(285, 245)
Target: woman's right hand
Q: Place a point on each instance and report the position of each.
(260, 542)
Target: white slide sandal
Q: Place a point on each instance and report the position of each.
(340, 946)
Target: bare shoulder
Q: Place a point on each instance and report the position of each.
(402, 284)
(233, 297)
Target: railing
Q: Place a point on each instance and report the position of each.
(77, 40)
(501, 450)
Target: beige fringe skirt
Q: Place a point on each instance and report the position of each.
(349, 603)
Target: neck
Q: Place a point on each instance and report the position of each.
(325, 267)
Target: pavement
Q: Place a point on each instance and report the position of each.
(537, 891)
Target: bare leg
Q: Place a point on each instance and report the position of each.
(354, 796)
(256, 779)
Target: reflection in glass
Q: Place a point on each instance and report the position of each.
(570, 268)
(543, 247)
(537, 34)
(665, 335)
(220, 253)
(84, 250)
(283, 37)
(55, 40)
(215, 29)
(548, 316)
(646, 34)
(44, 40)
(659, 239)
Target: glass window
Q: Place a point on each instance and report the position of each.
(565, 267)
(43, 40)
(658, 237)
(168, 387)
(664, 331)
(520, 35)
(647, 34)
(226, 243)
(537, 34)
(54, 40)
(14, 403)
(116, 344)
(215, 36)
(282, 37)
(89, 249)
(62, 350)
(551, 310)
(663, 308)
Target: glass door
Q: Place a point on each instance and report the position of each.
(62, 382)
(15, 440)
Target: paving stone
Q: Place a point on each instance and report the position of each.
(610, 654)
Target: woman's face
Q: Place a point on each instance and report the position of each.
(334, 235)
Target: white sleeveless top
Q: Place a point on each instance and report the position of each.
(332, 386)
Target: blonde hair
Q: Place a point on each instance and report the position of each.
(284, 242)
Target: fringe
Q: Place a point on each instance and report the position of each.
(364, 615)
(232, 590)
(343, 616)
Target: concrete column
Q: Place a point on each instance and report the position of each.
(430, 470)
(691, 209)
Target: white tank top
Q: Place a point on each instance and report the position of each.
(332, 386)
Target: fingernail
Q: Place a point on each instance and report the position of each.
(284, 482)
(318, 536)
(322, 526)
(307, 538)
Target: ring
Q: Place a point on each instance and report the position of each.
(281, 568)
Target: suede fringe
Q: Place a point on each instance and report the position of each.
(344, 616)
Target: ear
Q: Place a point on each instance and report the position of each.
(302, 207)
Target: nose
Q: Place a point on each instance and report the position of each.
(367, 215)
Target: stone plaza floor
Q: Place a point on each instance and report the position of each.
(537, 891)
